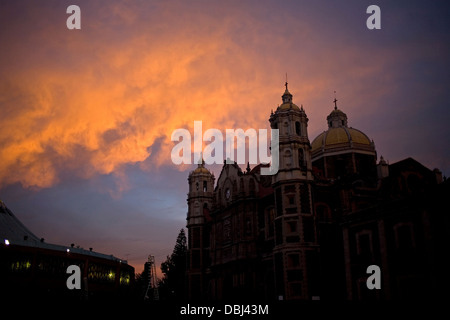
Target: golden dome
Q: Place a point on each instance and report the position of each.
(335, 136)
(340, 137)
(201, 170)
(317, 142)
(359, 136)
(287, 106)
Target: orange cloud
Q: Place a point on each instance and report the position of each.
(105, 108)
(98, 99)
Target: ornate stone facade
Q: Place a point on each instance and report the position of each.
(311, 230)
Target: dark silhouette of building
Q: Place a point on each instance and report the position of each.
(32, 269)
(311, 230)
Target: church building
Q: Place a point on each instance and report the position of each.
(310, 231)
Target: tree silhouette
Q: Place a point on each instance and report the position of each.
(174, 270)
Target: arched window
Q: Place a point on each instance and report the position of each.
(297, 128)
(205, 186)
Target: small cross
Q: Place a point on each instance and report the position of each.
(335, 100)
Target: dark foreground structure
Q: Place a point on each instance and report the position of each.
(31, 269)
(310, 231)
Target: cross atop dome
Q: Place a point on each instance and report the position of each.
(287, 96)
(201, 162)
(335, 101)
(286, 84)
(337, 118)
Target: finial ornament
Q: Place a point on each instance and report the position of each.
(201, 161)
(286, 83)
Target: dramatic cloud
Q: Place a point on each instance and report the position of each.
(95, 99)
(81, 103)
(95, 103)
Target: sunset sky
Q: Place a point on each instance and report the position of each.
(86, 115)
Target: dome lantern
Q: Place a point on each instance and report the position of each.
(287, 96)
(336, 118)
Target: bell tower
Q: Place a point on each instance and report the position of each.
(294, 147)
(200, 200)
(296, 259)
